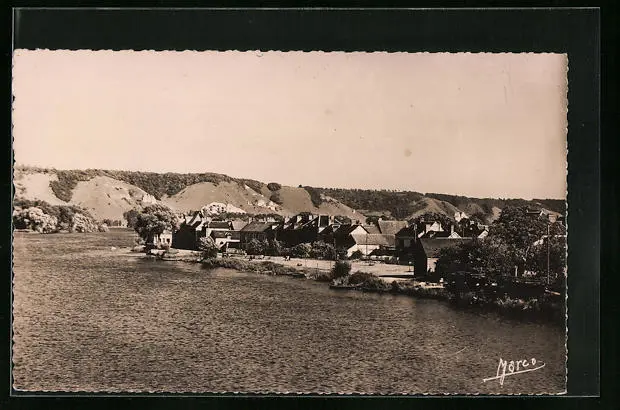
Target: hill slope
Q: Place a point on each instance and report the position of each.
(107, 194)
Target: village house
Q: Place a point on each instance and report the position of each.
(391, 227)
(163, 239)
(426, 253)
(305, 228)
(259, 231)
(460, 215)
(341, 237)
(372, 228)
(369, 243)
(226, 240)
(197, 226)
(189, 233)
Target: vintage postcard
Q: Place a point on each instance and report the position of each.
(289, 222)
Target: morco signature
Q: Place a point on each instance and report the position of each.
(510, 368)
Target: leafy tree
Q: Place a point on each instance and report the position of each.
(551, 251)
(340, 269)
(35, 219)
(131, 217)
(301, 250)
(489, 257)
(275, 197)
(431, 217)
(322, 250)
(256, 247)
(315, 196)
(518, 229)
(207, 247)
(154, 220)
(275, 248)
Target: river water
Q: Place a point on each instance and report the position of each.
(89, 318)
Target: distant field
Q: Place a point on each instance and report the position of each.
(324, 265)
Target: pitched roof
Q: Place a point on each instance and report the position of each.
(257, 227)
(432, 246)
(391, 227)
(345, 230)
(219, 225)
(371, 228)
(238, 225)
(374, 239)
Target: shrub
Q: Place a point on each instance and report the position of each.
(275, 248)
(301, 251)
(340, 269)
(322, 250)
(256, 247)
(274, 186)
(374, 283)
(256, 186)
(315, 196)
(359, 277)
(207, 247)
(357, 255)
(275, 198)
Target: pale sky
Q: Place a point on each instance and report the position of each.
(484, 125)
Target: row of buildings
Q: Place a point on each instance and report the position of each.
(416, 244)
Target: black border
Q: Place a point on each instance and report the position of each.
(574, 31)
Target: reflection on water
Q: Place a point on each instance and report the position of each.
(88, 318)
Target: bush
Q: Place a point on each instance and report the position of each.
(322, 250)
(340, 269)
(275, 198)
(275, 248)
(357, 255)
(315, 196)
(207, 247)
(256, 247)
(374, 283)
(359, 277)
(274, 186)
(301, 251)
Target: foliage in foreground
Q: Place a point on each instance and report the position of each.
(40, 216)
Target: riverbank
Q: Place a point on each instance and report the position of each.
(547, 309)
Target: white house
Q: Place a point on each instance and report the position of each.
(367, 243)
(460, 215)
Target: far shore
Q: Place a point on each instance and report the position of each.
(319, 270)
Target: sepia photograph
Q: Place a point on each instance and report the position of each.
(287, 222)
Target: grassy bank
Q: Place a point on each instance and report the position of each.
(264, 267)
(547, 307)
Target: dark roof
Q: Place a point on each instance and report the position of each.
(436, 234)
(345, 230)
(432, 246)
(407, 232)
(374, 239)
(391, 227)
(219, 225)
(257, 227)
